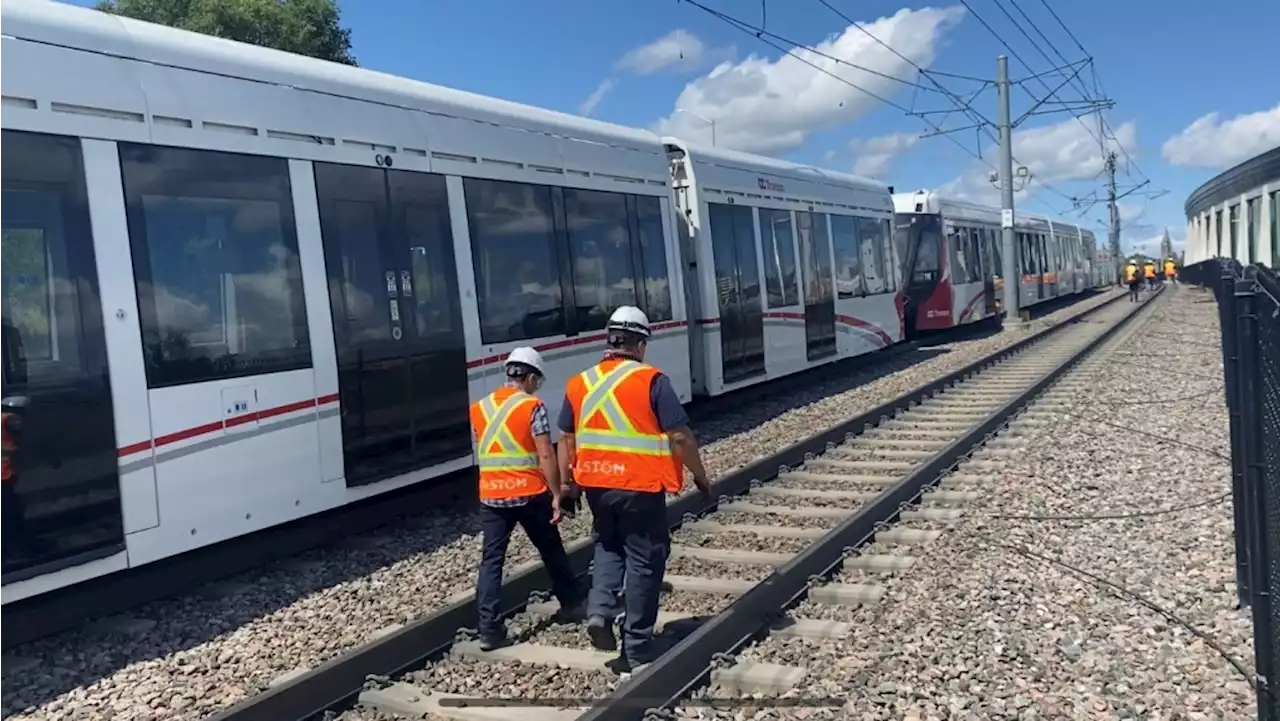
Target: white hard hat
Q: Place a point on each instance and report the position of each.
(631, 319)
(527, 356)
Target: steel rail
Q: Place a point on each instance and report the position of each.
(340, 680)
(687, 663)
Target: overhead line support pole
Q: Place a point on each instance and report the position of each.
(1009, 271)
(1113, 215)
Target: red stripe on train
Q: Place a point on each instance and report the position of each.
(569, 343)
(201, 430)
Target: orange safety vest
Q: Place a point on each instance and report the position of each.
(8, 447)
(619, 441)
(1168, 269)
(1149, 270)
(507, 457)
(1130, 271)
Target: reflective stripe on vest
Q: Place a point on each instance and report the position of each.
(622, 436)
(506, 452)
(509, 456)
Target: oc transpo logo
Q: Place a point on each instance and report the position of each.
(765, 184)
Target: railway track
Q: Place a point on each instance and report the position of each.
(67, 609)
(798, 542)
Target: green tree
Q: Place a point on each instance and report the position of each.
(306, 27)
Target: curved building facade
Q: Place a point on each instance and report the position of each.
(1237, 214)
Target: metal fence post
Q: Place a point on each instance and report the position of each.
(1249, 384)
(1224, 291)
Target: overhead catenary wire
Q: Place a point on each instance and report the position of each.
(768, 37)
(759, 33)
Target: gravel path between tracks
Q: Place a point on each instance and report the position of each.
(994, 623)
(204, 654)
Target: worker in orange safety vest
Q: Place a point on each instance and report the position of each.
(519, 484)
(624, 437)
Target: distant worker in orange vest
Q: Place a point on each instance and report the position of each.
(624, 437)
(1133, 280)
(519, 484)
(1149, 272)
(1170, 270)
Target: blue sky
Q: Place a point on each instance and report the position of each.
(1164, 64)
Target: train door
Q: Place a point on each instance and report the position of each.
(402, 374)
(733, 241)
(819, 298)
(922, 270)
(60, 485)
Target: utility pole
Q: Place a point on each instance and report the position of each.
(1113, 215)
(1009, 253)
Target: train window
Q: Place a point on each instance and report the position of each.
(424, 202)
(973, 255)
(49, 303)
(778, 243)
(600, 252)
(928, 262)
(959, 238)
(215, 258)
(871, 234)
(815, 250)
(513, 253)
(653, 256)
(890, 264)
(844, 237)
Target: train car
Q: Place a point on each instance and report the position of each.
(791, 267)
(242, 287)
(952, 259)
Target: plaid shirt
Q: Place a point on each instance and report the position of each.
(541, 426)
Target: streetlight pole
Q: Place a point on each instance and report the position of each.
(704, 119)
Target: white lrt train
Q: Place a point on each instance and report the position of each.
(242, 287)
(952, 267)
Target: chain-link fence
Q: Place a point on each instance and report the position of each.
(1249, 309)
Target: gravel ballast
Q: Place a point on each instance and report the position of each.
(204, 654)
(1001, 617)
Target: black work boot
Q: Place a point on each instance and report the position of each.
(600, 631)
(493, 639)
(571, 613)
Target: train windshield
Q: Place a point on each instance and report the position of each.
(919, 244)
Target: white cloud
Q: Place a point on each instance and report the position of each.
(1062, 152)
(1212, 144)
(678, 50)
(596, 96)
(771, 106)
(873, 156)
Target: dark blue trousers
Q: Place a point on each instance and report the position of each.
(497, 524)
(633, 543)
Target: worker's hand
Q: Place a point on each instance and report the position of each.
(571, 499)
(555, 510)
(704, 487)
